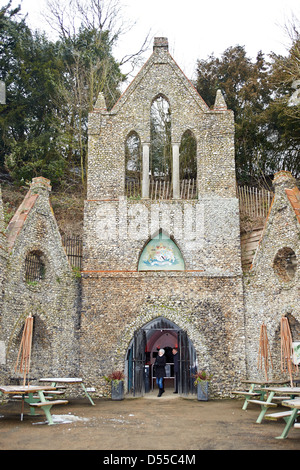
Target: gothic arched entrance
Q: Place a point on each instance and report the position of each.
(141, 354)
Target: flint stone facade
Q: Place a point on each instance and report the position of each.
(52, 301)
(206, 299)
(271, 292)
(86, 328)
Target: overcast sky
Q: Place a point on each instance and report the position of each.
(197, 28)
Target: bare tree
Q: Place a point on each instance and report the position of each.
(67, 16)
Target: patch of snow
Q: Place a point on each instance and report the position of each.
(64, 419)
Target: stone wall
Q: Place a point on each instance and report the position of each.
(3, 263)
(206, 232)
(85, 328)
(212, 129)
(269, 294)
(115, 305)
(205, 299)
(53, 300)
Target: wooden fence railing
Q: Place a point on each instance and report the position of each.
(253, 201)
(160, 189)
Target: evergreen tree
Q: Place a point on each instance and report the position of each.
(283, 113)
(51, 87)
(247, 92)
(30, 144)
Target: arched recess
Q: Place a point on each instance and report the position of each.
(35, 266)
(160, 333)
(188, 156)
(133, 164)
(294, 326)
(160, 139)
(161, 254)
(285, 264)
(42, 355)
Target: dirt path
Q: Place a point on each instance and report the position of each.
(166, 423)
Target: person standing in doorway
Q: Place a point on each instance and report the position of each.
(176, 368)
(160, 371)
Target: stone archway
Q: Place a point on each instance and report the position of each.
(159, 333)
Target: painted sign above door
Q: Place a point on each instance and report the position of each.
(161, 253)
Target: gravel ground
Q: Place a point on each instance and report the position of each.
(168, 423)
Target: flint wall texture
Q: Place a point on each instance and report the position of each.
(206, 298)
(53, 301)
(85, 328)
(270, 294)
(212, 129)
(210, 310)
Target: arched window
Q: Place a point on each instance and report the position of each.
(35, 268)
(161, 254)
(188, 156)
(285, 264)
(133, 164)
(160, 134)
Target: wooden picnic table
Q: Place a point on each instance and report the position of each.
(295, 407)
(263, 383)
(256, 389)
(67, 380)
(27, 393)
(268, 403)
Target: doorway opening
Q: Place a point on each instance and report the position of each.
(142, 352)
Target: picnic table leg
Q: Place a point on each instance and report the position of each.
(264, 408)
(86, 393)
(48, 413)
(28, 400)
(22, 407)
(244, 407)
(289, 423)
(46, 408)
(31, 400)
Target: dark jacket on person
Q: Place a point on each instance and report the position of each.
(159, 366)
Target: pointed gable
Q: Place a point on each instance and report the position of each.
(161, 56)
(280, 229)
(212, 129)
(17, 222)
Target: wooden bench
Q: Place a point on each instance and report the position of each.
(279, 415)
(46, 407)
(264, 408)
(280, 398)
(21, 397)
(263, 403)
(247, 395)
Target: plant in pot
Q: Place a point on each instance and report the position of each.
(116, 379)
(201, 382)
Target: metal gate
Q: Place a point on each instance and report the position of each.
(136, 358)
(138, 362)
(187, 364)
